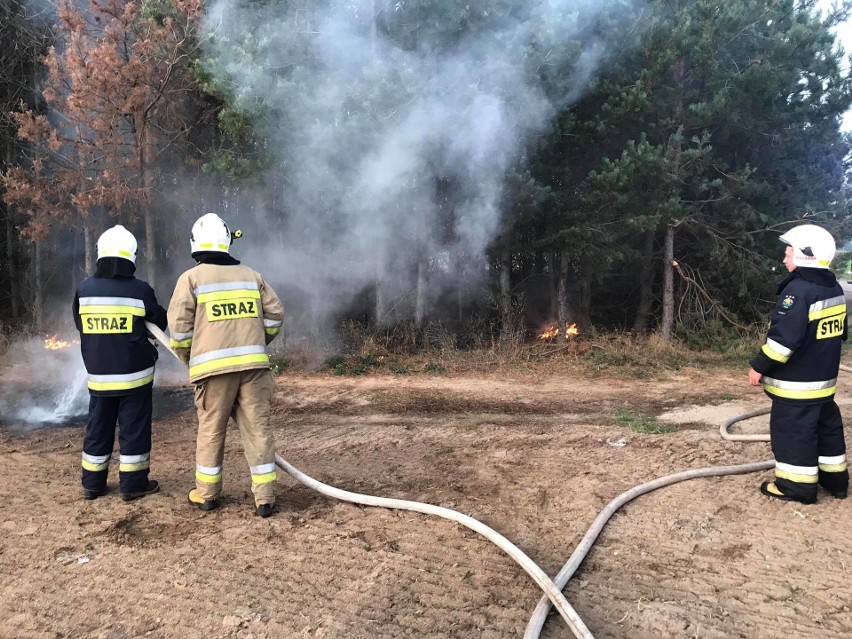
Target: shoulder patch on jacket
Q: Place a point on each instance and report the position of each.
(787, 301)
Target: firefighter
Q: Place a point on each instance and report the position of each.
(110, 310)
(221, 317)
(798, 367)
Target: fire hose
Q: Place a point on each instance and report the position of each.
(552, 588)
(552, 593)
(536, 622)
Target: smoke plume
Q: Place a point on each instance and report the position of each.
(394, 127)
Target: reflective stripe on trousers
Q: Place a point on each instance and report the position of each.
(132, 463)
(263, 474)
(208, 474)
(95, 463)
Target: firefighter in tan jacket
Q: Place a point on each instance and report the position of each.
(221, 317)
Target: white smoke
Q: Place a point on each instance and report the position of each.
(41, 386)
(364, 128)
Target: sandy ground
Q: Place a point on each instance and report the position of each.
(534, 455)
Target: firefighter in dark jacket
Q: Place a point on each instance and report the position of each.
(110, 311)
(798, 367)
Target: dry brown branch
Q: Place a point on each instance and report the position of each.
(713, 303)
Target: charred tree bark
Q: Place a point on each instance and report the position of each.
(667, 327)
(646, 282)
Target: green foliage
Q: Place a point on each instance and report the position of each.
(842, 265)
(240, 154)
(719, 120)
(722, 121)
(399, 369)
(720, 337)
(158, 10)
(641, 423)
(354, 365)
(334, 361)
(432, 367)
(280, 364)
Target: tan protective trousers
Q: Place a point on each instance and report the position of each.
(246, 396)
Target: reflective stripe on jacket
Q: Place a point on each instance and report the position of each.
(801, 356)
(221, 317)
(110, 313)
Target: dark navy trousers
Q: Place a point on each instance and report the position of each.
(132, 413)
(809, 447)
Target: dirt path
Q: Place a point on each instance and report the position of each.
(535, 456)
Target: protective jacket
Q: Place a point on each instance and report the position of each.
(221, 317)
(801, 357)
(110, 311)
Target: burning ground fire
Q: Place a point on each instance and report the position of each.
(53, 343)
(553, 331)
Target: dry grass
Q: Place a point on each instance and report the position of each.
(402, 350)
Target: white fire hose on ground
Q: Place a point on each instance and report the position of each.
(552, 593)
(539, 615)
(551, 588)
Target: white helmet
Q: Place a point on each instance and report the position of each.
(813, 246)
(117, 242)
(210, 233)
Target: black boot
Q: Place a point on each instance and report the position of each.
(202, 504)
(89, 495)
(769, 489)
(152, 487)
(264, 510)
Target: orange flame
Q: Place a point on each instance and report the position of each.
(54, 344)
(553, 331)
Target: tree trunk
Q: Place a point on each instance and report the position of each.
(315, 318)
(420, 301)
(562, 299)
(553, 272)
(505, 301)
(38, 294)
(89, 250)
(668, 286)
(584, 303)
(146, 179)
(646, 283)
(460, 287)
(379, 311)
(10, 266)
(150, 248)
(380, 302)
